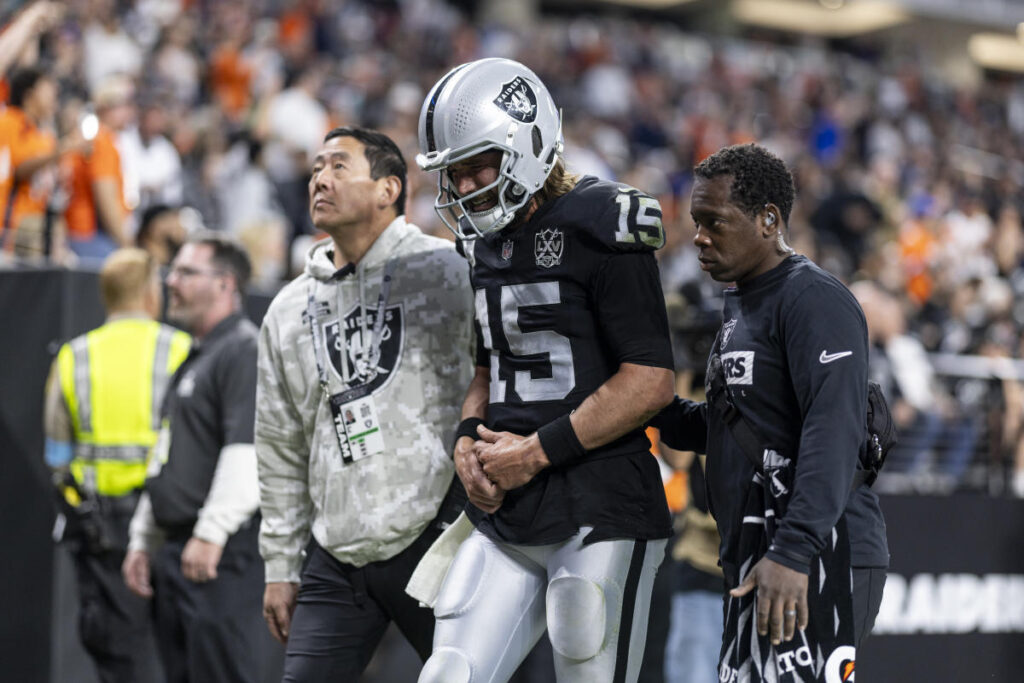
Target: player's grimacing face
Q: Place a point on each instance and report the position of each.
(730, 246)
(473, 174)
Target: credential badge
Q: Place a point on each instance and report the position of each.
(547, 247)
(518, 100)
(727, 329)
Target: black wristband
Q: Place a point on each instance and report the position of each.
(559, 441)
(468, 428)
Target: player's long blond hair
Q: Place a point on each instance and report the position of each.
(560, 181)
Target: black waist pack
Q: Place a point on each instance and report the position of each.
(881, 433)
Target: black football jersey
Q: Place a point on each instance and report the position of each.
(561, 302)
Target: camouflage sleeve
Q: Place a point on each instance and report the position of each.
(283, 456)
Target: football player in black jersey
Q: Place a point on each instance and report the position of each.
(574, 356)
(792, 358)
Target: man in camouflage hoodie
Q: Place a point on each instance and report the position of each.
(363, 360)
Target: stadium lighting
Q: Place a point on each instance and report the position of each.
(832, 18)
(649, 4)
(997, 51)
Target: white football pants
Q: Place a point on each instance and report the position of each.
(497, 600)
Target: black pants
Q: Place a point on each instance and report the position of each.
(868, 583)
(342, 611)
(114, 625)
(210, 632)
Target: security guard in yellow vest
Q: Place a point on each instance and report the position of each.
(102, 417)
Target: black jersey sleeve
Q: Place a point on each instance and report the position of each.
(631, 310)
(619, 218)
(683, 425)
(826, 349)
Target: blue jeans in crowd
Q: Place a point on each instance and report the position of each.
(695, 638)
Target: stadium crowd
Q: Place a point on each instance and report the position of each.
(903, 179)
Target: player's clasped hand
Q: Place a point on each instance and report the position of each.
(781, 599)
(481, 491)
(509, 460)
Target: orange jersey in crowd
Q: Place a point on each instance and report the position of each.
(677, 485)
(8, 135)
(81, 171)
(30, 142)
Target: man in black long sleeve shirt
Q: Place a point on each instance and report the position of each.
(793, 348)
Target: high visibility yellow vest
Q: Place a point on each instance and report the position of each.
(113, 380)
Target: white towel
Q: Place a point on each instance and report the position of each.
(425, 582)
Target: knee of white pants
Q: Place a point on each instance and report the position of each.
(463, 581)
(577, 616)
(447, 665)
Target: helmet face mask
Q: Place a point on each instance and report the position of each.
(455, 211)
(489, 105)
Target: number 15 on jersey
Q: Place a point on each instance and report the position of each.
(548, 346)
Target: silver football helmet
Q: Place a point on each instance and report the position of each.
(489, 104)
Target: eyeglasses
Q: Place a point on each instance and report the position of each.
(186, 272)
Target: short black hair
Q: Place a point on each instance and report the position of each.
(22, 82)
(149, 216)
(383, 155)
(758, 178)
(228, 254)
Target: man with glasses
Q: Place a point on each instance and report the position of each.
(193, 538)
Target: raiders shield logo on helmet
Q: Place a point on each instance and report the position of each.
(364, 370)
(518, 100)
(547, 247)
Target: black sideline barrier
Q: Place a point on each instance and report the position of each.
(40, 309)
(953, 609)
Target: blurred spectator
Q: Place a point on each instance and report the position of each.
(229, 73)
(106, 48)
(292, 126)
(249, 210)
(175, 61)
(33, 155)
(161, 233)
(33, 20)
(96, 214)
(691, 654)
(151, 164)
(934, 439)
(844, 223)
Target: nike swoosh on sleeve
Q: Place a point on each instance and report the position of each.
(826, 357)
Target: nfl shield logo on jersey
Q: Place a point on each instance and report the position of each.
(506, 249)
(547, 247)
